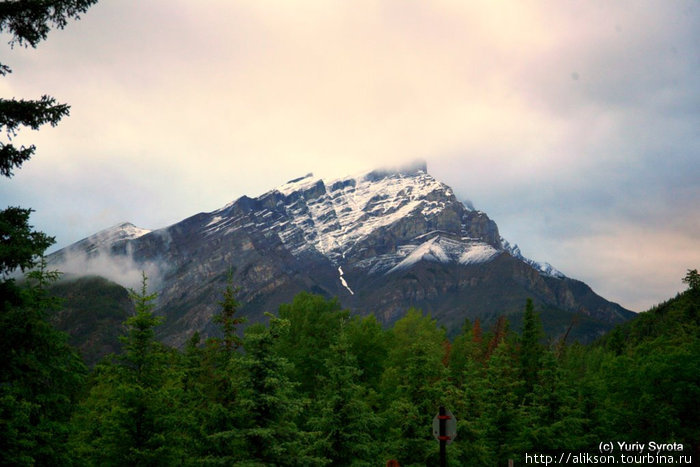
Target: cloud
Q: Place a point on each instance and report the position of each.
(121, 269)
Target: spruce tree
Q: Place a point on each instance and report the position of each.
(40, 376)
(140, 347)
(39, 373)
(368, 343)
(314, 323)
(132, 413)
(220, 381)
(412, 386)
(29, 22)
(227, 319)
(500, 416)
(692, 278)
(531, 349)
(270, 402)
(348, 428)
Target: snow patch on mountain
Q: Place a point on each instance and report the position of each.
(428, 251)
(343, 281)
(123, 231)
(442, 249)
(297, 184)
(215, 220)
(478, 253)
(543, 267)
(107, 238)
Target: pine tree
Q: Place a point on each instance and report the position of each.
(552, 415)
(39, 373)
(465, 351)
(500, 420)
(476, 332)
(692, 278)
(193, 400)
(468, 400)
(220, 440)
(368, 343)
(314, 323)
(270, 402)
(40, 376)
(227, 319)
(531, 350)
(132, 413)
(220, 413)
(412, 386)
(500, 330)
(346, 424)
(140, 347)
(29, 22)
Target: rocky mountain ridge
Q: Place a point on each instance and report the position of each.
(381, 242)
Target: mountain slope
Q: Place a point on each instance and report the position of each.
(381, 242)
(92, 313)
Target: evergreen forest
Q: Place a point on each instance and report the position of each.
(317, 386)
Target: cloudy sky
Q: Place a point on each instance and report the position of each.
(574, 124)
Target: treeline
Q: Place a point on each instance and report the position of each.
(316, 386)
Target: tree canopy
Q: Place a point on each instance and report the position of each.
(40, 374)
(29, 21)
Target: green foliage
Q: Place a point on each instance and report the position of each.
(226, 318)
(348, 427)
(411, 386)
(467, 352)
(313, 324)
(93, 311)
(269, 402)
(369, 345)
(130, 415)
(692, 278)
(40, 376)
(20, 246)
(140, 347)
(678, 318)
(510, 394)
(211, 391)
(29, 22)
(531, 350)
(500, 420)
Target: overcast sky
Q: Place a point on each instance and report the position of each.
(573, 124)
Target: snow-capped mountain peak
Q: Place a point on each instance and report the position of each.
(115, 234)
(381, 241)
(334, 217)
(381, 221)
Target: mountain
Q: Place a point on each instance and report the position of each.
(381, 242)
(93, 312)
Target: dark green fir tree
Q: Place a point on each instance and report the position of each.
(40, 374)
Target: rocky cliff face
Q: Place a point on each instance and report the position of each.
(381, 242)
